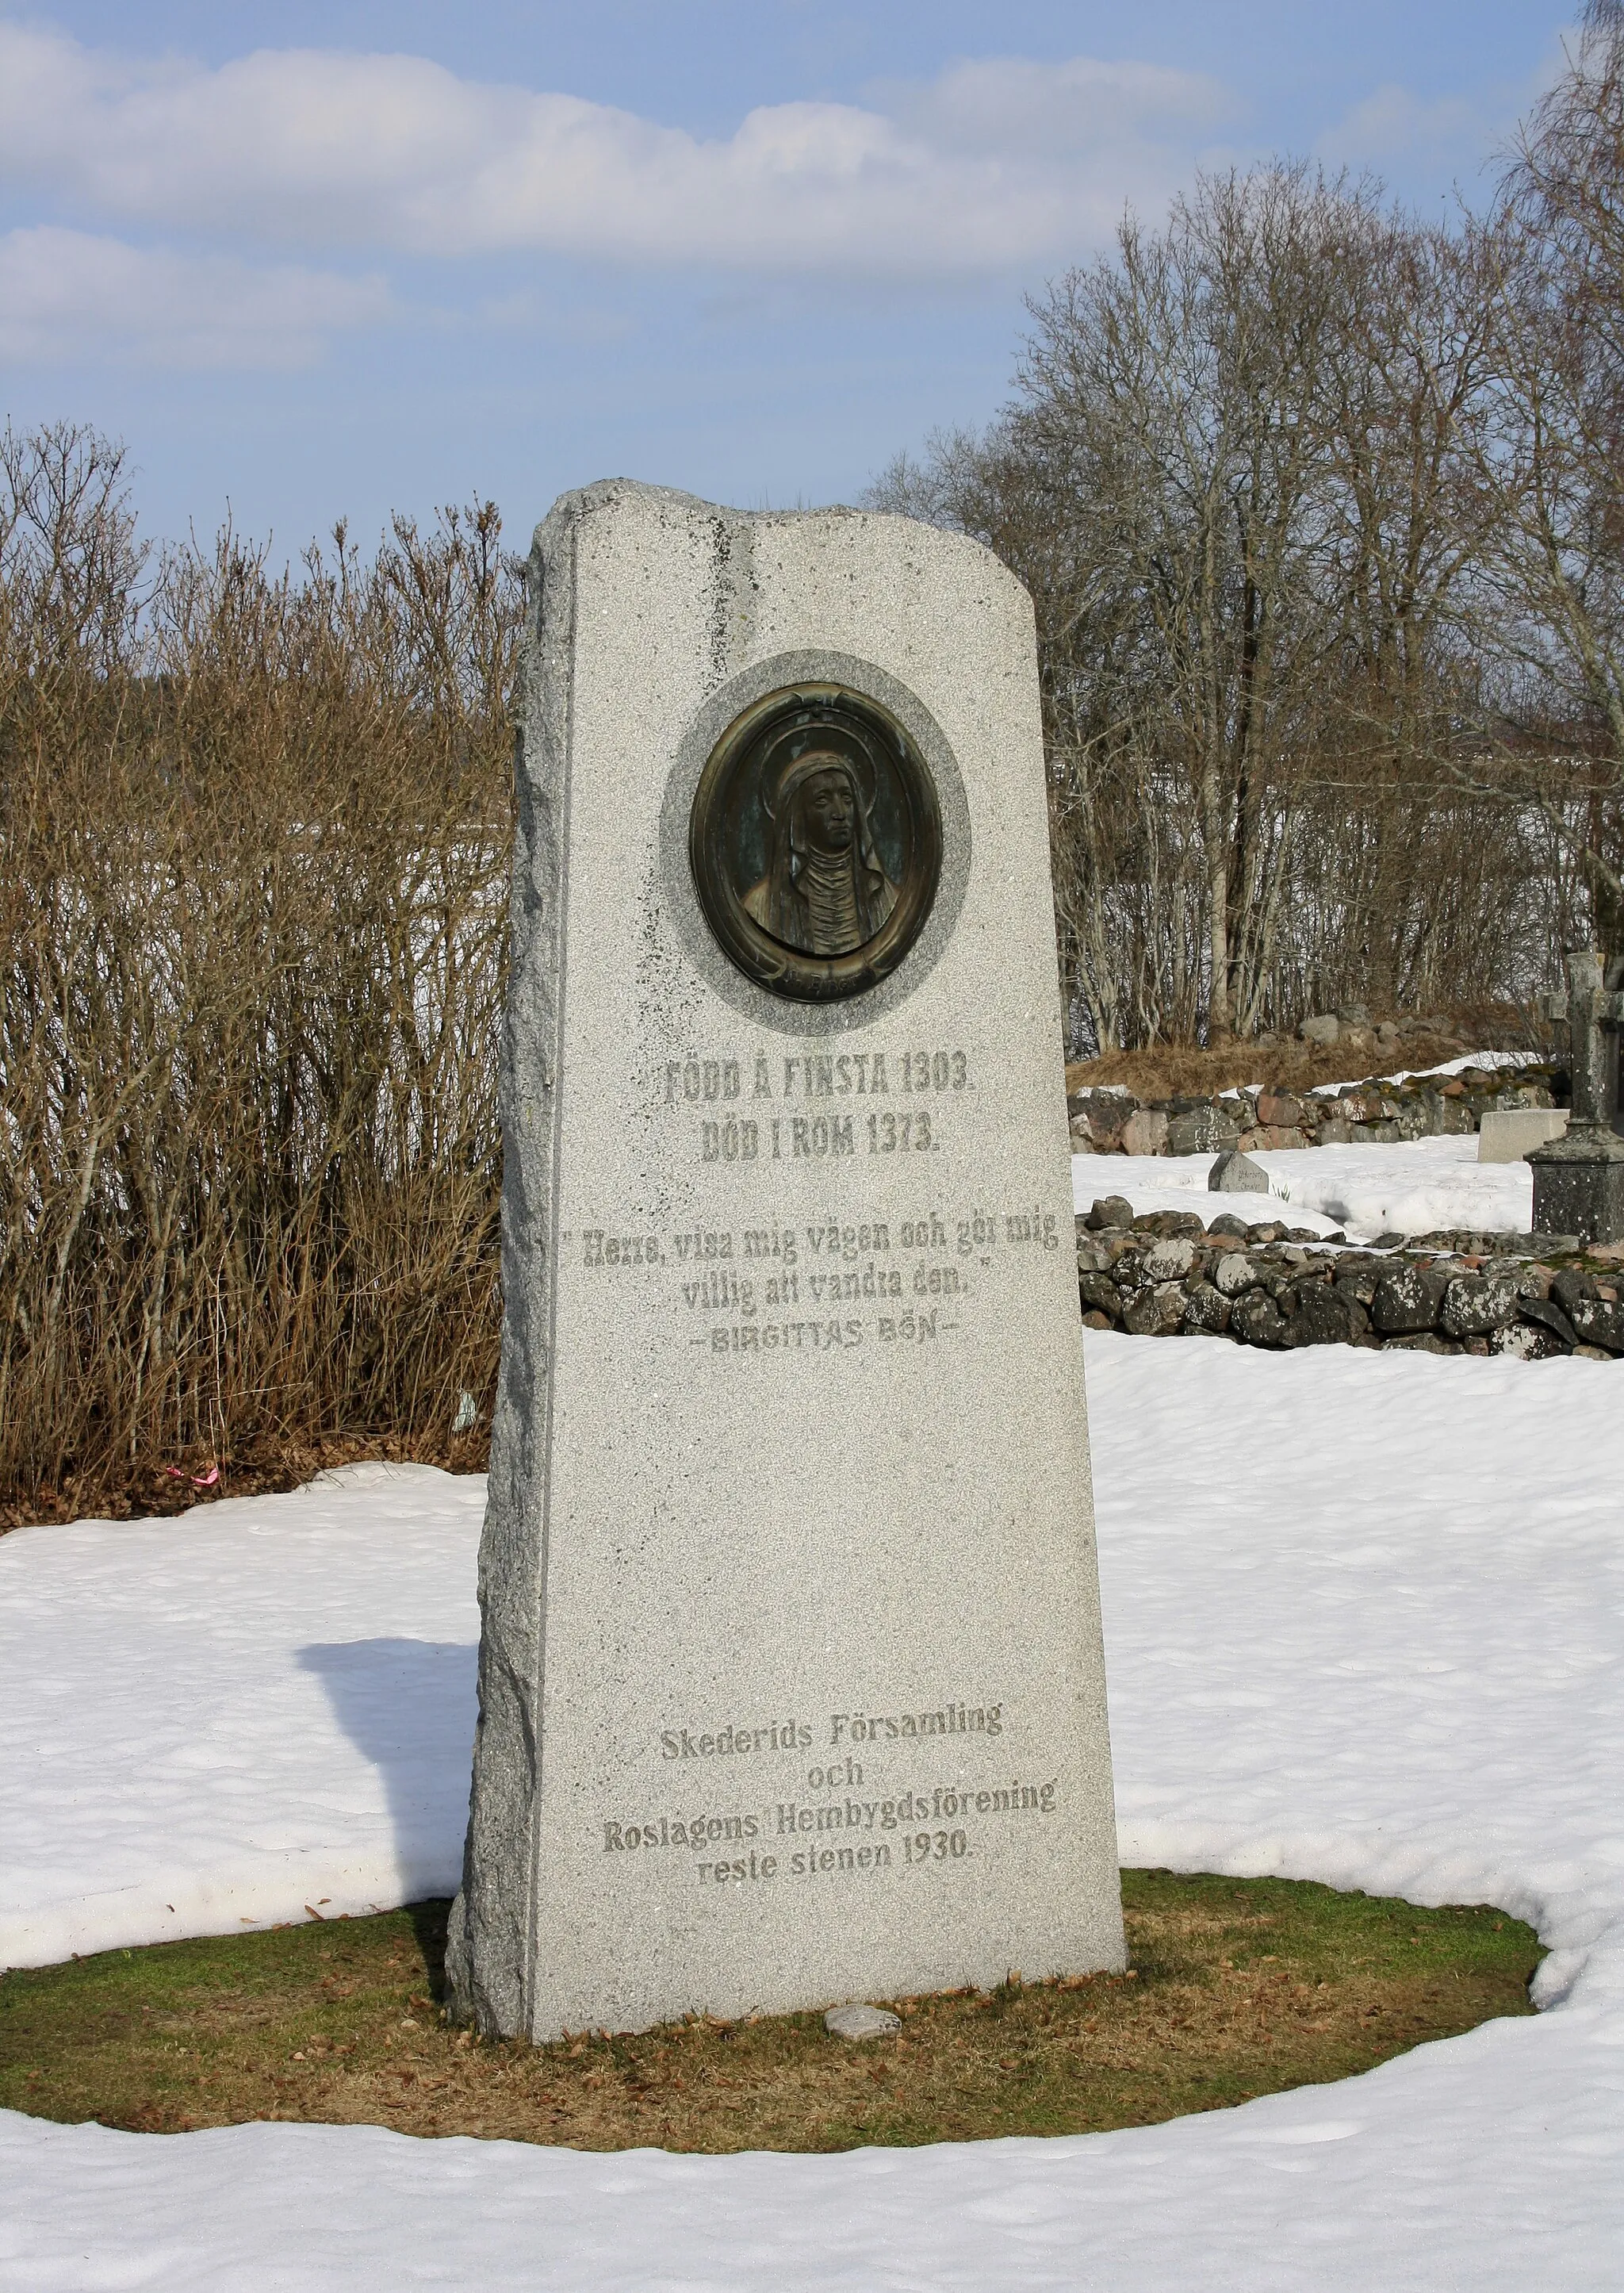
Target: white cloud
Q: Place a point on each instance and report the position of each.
(994, 166)
(1080, 109)
(66, 294)
(1394, 125)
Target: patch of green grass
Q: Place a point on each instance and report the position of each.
(1237, 1987)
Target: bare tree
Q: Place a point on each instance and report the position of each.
(1408, 374)
(1553, 462)
(1242, 479)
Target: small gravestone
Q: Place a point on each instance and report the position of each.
(1237, 1174)
(790, 1674)
(1507, 1134)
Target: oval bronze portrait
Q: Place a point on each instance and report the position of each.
(815, 840)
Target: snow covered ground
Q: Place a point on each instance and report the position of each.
(1365, 1623)
(213, 1722)
(1412, 1188)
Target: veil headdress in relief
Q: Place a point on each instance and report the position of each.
(826, 892)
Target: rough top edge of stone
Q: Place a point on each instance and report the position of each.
(582, 501)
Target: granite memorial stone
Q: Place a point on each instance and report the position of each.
(791, 1678)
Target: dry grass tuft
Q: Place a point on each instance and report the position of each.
(1187, 1070)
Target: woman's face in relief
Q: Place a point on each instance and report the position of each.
(829, 814)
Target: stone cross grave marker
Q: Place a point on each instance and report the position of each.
(790, 1677)
(1578, 1178)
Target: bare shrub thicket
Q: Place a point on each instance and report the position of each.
(255, 833)
(1322, 510)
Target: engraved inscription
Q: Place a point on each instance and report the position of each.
(780, 1288)
(731, 1741)
(846, 1817)
(723, 1081)
(731, 1135)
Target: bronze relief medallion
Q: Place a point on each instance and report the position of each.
(815, 840)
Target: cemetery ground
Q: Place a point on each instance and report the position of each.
(278, 1456)
(1364, 1620)
(1425, 1185)
(1236, 1988)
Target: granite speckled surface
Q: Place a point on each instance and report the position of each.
(791, 1683)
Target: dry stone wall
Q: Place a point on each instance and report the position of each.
(1359, 1114)
(1169, 1274)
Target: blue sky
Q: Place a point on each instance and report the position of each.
(311, 261)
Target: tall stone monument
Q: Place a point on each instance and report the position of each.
(1579, 1178)
(790, 1675)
